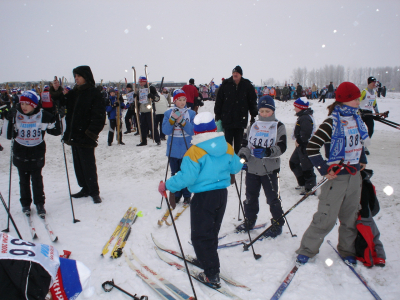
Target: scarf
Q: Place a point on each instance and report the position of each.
(337, 151)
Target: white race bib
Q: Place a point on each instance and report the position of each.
(262, 134)
(353, 146)
(45, 255)
(29, 129)
(46, 97)
(130, 98)
(143, 96)
(368, 102)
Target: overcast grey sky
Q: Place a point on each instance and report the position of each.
(200, 39)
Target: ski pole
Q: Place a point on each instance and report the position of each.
(389, 123)
(256, 256)
(278, 195)
(179, 242)
(240, 193)
(111, 283)
(169, 158)
(151, 103)
(66, 172)
(11, 159)
(10, 216)
(336, 169)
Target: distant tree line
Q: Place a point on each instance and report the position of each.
(388, 76)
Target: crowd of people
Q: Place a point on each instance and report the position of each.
(203, 157)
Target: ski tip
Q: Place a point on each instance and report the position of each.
(35, 236)
(55, 240)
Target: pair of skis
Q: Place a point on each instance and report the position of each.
(293, 271)
(47, 226)
(166, 215)
(177, 292)
(191, 260)
(120, 233)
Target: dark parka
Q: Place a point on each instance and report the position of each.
(29, 158)
(85, 111)
(234, 102)
(304, 127)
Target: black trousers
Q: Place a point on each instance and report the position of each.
(234, 136)
(207, 210)
(130, 115)
(253, 187)
(369, 122)
(85, 169)
(145, 123)
(25, 177)
(159, 121)
(322, 98)
(302, 168)
(112, 129)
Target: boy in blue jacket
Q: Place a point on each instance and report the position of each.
(111, 110)
(178, 119)
(206, 171)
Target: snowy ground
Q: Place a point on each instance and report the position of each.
(129, 175)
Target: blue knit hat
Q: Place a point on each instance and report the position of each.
(301, 103)
(266, 102)
(30, 97)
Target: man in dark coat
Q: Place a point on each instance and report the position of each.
(236, 98)
(84, 122)
(330, 90)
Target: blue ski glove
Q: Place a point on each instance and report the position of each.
(259, 152)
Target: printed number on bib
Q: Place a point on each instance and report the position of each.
(18, 242)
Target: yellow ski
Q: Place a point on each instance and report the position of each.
(116, 231)
(164, 218)
(178, 213)
(131, 219)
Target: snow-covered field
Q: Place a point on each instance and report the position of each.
(129, 175)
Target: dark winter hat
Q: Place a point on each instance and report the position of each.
(30, 97)
(347, 91)
(266, 102)
(204, 122)
(371, 79)
(238, 69)
(86, 73)
(111, 91)
(129, 85)
(301, 103)
(191, 80)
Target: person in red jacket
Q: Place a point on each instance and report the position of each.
(191, 93)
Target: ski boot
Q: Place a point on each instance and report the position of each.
(350, 260)
(80, 194)
(96, 199)
(212, 281)
(26, 210)
(302, 259)
(275, 230)
(244, 227)
(40, 210)
(186, 200)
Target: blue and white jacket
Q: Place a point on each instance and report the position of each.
(207, 165)
(111, 109)
(178, 148)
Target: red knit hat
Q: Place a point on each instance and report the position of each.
(347, 91)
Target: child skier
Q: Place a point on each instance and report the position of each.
(111, 110)
(299, 162)
(341, 134)
(27, 124)
(206, 171)
(177, 119)
(265, 142)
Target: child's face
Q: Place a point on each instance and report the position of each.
(26, 108)
(112, 94)
(180, 102)
(265, 112)
(296, 109)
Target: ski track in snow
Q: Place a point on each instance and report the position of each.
(129, 175)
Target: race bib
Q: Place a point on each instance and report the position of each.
(368, 102)
(185, 113)
(130, 98)
(29, 129)
(17, 249)
(262, 134)
(143, 96)
(353, 146)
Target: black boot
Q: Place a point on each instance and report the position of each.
(26, 210)
(96, 199)
(40, 209)
(80, 194)
(212, 281)
(186, 200)
(141, 144)
(275, 230)
(246, 227)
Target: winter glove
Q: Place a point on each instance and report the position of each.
(116, 103)
(151, 96)
(244, 152)
(162, 189)
(259, 152)
(175, 115)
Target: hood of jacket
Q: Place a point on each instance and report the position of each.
(86, 73)
(213, 143)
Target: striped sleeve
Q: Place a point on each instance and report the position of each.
(322, 136)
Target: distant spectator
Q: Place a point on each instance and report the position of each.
(330, 90)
